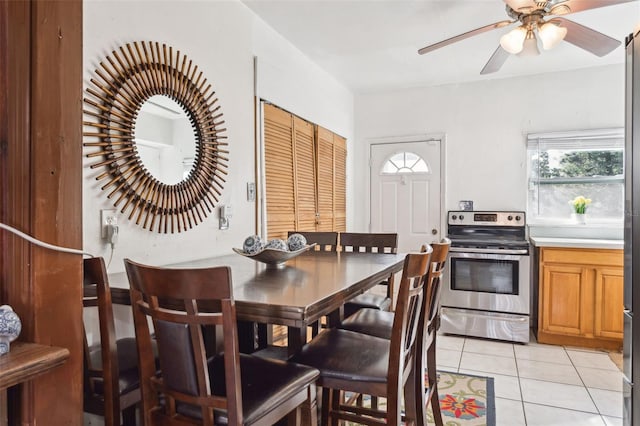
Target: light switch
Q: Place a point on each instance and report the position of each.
(251, 191)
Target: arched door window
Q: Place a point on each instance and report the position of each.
(405, 162)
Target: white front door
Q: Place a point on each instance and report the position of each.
(405, 192)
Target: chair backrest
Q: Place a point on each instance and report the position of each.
(432, 301)
(405, 332)
(370, 243)
(430, 321)
(325, 241)
(182, 303)
(101, 389)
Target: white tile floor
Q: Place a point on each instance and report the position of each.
(538, 384)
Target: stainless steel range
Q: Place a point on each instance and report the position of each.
(486, 291)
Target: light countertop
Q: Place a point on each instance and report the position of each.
(577, 243)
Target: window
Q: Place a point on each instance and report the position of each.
(405, 162)
(562, 166)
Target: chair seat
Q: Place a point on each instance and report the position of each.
(128, 379)
(347, 355)
(266, 384)
(366, 301)
(273, 352)
(373, 322)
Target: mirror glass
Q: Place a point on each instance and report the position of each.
(165, 139)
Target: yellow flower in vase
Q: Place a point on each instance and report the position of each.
(580, 204)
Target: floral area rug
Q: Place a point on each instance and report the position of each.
(465, 400)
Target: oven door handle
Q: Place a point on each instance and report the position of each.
(465, 313)
(487, 251)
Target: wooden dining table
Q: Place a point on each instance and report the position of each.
(308, 287)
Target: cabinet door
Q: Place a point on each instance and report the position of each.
(609, 305)
(566, 300)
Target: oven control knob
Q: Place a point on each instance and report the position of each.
(509, 217)
(518, 218)
(461, 217)
(454, 217)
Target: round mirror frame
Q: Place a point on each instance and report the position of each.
(118, 90)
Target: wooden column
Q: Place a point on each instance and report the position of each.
(41, 194)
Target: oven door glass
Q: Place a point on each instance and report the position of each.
(485, 275)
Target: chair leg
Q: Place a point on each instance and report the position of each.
(324, 410)
(310, 407)
(432, 375)
(391, 291)
(374, 402)
(435, 406)
(336, 399)
(294, 417)
(411, 399)
(129, 416)
(315, 328)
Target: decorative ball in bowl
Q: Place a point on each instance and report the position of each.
(10, 327)
(274, 253)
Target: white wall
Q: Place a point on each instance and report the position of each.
(485, 125)
(221, 37)
(291, 81)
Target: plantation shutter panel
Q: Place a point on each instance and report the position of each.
(326, 177)
(279, 171)
(340, 184)
(305, 175)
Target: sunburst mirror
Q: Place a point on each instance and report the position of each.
(156, 126)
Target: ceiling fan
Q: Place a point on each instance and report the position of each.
(540, 20)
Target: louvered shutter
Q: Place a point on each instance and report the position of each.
(324, 141)
(305, 175)
(279, 171)
(340, 184)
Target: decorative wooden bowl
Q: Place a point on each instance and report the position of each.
(273, 258)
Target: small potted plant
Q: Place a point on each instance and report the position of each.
(580, 204)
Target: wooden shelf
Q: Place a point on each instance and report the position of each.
(24, 362)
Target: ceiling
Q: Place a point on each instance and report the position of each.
(372, 45)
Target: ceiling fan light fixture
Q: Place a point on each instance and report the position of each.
(560, 9)
(530, 45)
(550, 34)
(513, 41)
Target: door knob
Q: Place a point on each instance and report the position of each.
(434, 231)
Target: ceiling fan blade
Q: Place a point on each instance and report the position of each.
(495, 61)
(522, 6)
(588, 39)
(580, 5)
(464, 36)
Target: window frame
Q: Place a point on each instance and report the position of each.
(593, 136)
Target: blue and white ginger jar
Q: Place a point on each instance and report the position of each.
(10, 327)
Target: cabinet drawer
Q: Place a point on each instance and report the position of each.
(582, 256)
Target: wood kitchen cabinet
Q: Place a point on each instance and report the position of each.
(580, 297)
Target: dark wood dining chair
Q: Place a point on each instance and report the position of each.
(380, 324)
(196, 387)
(355, 362)
(370, 243)
(325, 241)
(427, 379)
(111, 382)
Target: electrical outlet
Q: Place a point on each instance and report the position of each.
(107, 217)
